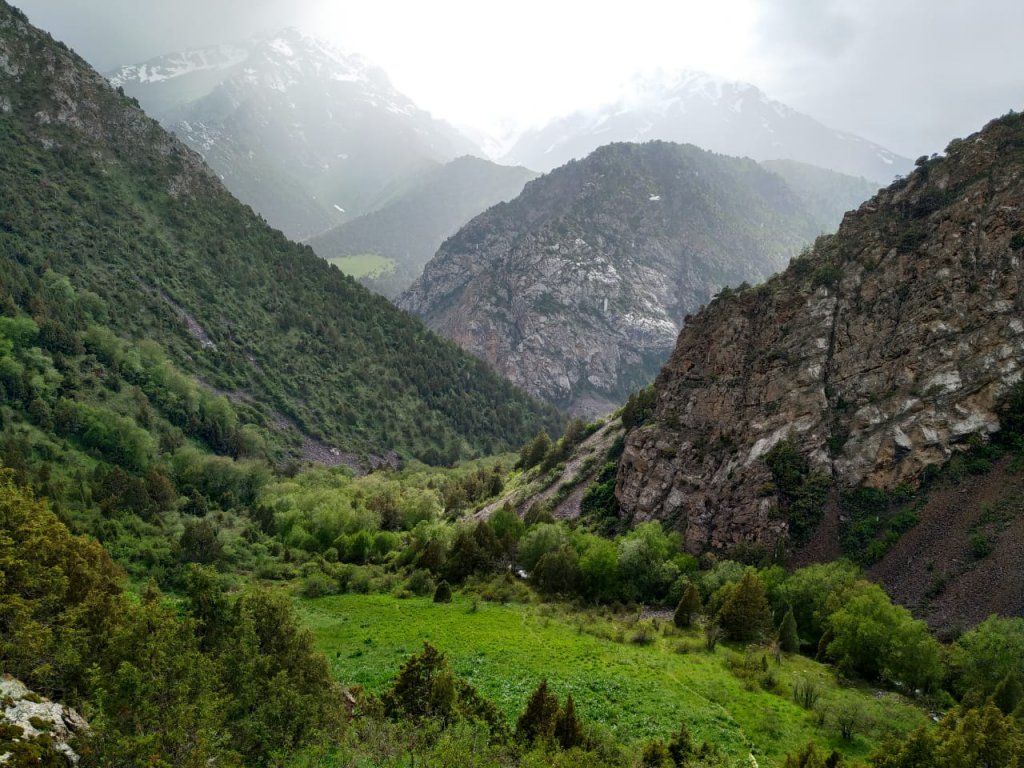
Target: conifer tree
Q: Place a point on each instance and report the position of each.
(568, 728)
(789, 639)
(689, 606)
(538, 719)
(1009, 694)
(746, 614)
(443, 593)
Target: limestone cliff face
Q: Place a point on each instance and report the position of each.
(577, 289)
(881, 352)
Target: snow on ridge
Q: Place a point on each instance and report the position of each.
(281, 46)
(180, 64)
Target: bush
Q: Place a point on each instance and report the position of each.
(443, 593)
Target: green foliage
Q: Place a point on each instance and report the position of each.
(876, 639)
(746, 615)
(537, 723)
(443, 593)
(639, 407)
(984, 656)
(131, 233)
(966, 737)
(599, 502)
(873, 520)
(801, 491)
(689, 606)
(533, 452)
(789, 638)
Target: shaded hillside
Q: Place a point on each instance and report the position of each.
(94, 191)
(409, 227)
(695, 108)
(826, 195)
(883, 352)
(306, 134)
(577, 288)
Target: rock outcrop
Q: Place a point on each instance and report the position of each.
(33, 729)
(576, 289)
(883, 351)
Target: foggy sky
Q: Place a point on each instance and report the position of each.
(909, 74)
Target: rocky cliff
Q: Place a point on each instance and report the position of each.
(883, 351)
(576, 290)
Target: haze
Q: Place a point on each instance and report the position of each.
(909, 75)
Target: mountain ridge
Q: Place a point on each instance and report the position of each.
(96, 193)
(576, 289)
(889, 348)
(305, 133)
(732, 118)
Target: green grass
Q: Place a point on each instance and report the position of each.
(638, 692)
(364, 265)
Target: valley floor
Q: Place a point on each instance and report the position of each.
(638, 679)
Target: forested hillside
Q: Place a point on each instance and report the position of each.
(96, 197)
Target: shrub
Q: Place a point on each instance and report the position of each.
(443, 593)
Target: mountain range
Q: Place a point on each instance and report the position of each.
(695, 108)
(304, 133)
(108, 222)
(576, 289)
(812, 411)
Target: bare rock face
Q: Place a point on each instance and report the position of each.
(32, 726)
(882, 352)
(577, 289)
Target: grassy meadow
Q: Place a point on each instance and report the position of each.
(637, 679)
(364, 265)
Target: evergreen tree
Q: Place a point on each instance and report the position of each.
(746, 614)
(789, 640)
(533, 452)
(443, 593)
(655, 755)
(538, 719)
(1009, 694)
(680, 747)
(568, 728)
(689, 606)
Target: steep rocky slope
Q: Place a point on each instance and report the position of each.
(884, 351)
(696, 108)
(411, 224)
(306, 134)
(576, 289)
(108, 221)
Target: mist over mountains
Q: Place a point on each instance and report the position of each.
(307, 135)
(313, 137)
(693, 107)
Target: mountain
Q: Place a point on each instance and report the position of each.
(107, 222)
(409, 227)
(806, 411)
(576, 289)
(826, 195)
(304, 133)
(728, 117)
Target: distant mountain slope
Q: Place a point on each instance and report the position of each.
(826, 195)
(807, 410)
(410, 227)
(305, 134)
(691, 107)
(94, 192)
(576, 289)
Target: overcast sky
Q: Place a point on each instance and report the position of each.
(909, 74)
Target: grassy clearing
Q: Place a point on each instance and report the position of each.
(638, 691)
(364, 265)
